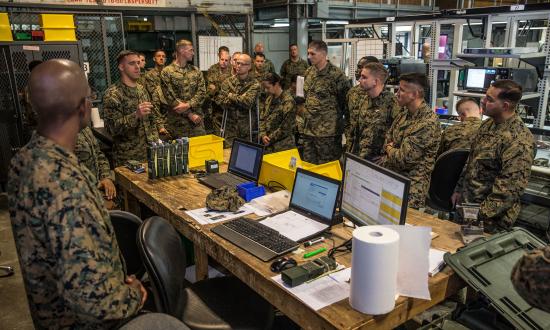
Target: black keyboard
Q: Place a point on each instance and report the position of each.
(230, 180)
(255, 238)
(219, 180)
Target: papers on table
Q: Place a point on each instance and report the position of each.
(412, 276)
(270, 203)
(432, 234)
(294, 225)
(322, 292)
(436, 261)
(97, 122)
(205, 217)
(300, 86)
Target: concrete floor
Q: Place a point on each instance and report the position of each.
(14, 309)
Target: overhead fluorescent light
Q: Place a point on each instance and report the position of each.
(403, 28)
(338, 22)
(280, 25)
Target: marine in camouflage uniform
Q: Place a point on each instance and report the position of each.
(325, 94)
(29, 115)
(269, 67)
(259, 49)
(530, 278)
(30, 118)
(88, 152)
(355, 99)
(279, 122)
(183, 84)
(415, 138)
(260, 73)
(291, 68)
(151, 80)
(498, 170)
(459, 136)
(375, 119)
(216, 76)
(243, 98)
(130, 134)
(58, 219)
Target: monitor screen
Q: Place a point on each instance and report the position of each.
(315, 194)
(373, 195)
(475, 79)
(246, 159)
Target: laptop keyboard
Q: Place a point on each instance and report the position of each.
(228, 180)
(256, 238)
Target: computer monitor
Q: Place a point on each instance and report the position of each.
(246, 159)
(475, 79)
(315, 195)
(373, 195)
(480, 79)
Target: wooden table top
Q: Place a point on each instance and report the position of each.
(171, 197)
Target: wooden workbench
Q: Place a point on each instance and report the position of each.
(171, 197)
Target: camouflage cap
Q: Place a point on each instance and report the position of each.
(224, 199)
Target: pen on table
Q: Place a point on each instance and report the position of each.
(314, 241)
(313, 253)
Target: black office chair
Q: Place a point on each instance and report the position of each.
(445, 175)
(212, 304)
(126, 227)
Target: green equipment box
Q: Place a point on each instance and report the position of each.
(486, 265)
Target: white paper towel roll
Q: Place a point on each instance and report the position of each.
(374, 266)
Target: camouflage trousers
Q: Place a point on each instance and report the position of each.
(216, 120)
(178, 127)
(320, 150)
(281, 145)
(237, 126)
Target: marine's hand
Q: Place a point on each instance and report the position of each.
(109, 186)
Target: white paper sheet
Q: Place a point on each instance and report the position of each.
(436, 261)
(294, 225)
(300, 86)
(270, 203)
(97, 122)
(205, 217)
(414, 246)
(322, 292)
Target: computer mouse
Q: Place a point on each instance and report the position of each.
(283, 263)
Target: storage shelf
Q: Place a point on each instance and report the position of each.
(520, 56)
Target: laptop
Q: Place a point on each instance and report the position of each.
(311, 209)
(311, 212)
(244, 166)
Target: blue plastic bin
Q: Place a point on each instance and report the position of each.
(249, 190)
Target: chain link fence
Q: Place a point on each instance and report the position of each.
(228, 25)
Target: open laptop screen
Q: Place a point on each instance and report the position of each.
(246, 159)
(315, 194)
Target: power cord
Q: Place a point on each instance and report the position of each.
(342, 248)
(276, 186)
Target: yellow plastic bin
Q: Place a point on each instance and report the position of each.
(276, 171)
(330, 169)
(5, 28)
(203, 148)
(58, 27)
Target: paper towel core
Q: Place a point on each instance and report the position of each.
(376, 234)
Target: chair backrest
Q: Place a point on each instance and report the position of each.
(163, 254)
(126, 227)
(445, 175)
